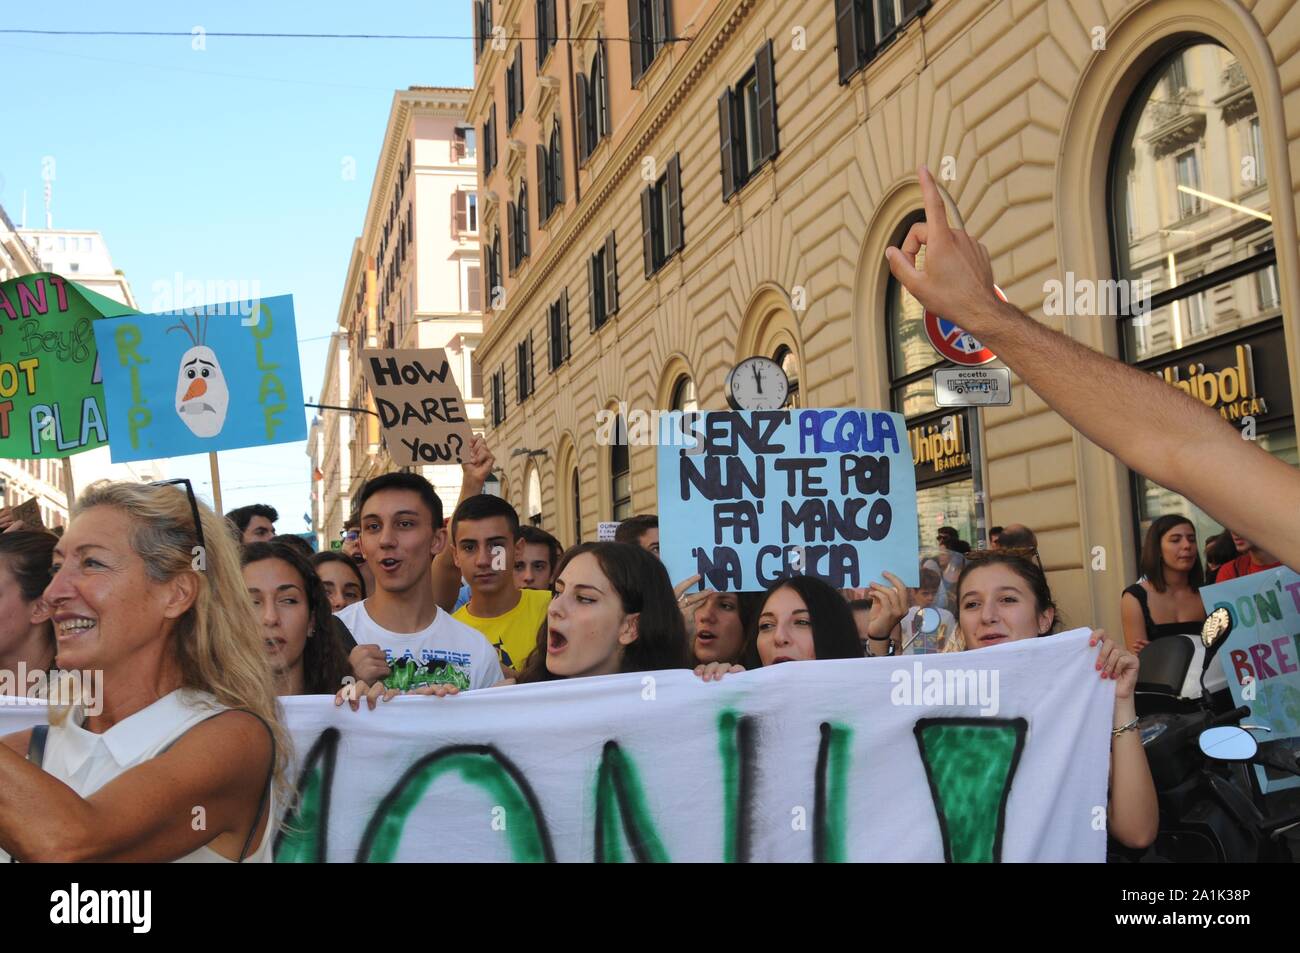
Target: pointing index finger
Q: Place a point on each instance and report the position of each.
(936, 216)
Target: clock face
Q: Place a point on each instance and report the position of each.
(757, 383)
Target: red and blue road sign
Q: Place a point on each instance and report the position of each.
(954, 344)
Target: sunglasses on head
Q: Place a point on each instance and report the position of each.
(194, 505)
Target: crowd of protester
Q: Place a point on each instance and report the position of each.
(415, 603)
(412, 602)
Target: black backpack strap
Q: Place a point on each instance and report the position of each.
(36, 752)
(36, 745)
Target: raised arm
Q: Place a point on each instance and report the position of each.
(474, 473)
(1176, 441)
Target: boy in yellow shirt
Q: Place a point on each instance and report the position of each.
(485, 545)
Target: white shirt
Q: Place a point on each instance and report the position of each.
(86, 761)
(460, 653)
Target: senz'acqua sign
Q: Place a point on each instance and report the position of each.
(747, 499)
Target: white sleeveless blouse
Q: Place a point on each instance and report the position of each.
(86, 761)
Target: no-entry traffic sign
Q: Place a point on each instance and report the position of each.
(954, 344)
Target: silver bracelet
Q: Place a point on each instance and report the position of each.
(1123, 728)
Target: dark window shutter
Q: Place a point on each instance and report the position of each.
(583, 147)
(611, 276)
(673, 240)
(663, 10)
(647, 226)
(602, 120)
(523, 222)
(557, 166)
(478, 28)
(519, 79)
(591, 293)
(553, 23)
(552, 337)
(458, 213)
(634, 30)
(539, 13)
(765, 73)
(726, 143)
(846, 36)
(511, 223)
(544, 183)
(564, 325)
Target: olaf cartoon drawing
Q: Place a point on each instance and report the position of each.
(202, 397)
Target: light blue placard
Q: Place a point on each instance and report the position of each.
(205, 379)
(1261, 656)
(748, 498)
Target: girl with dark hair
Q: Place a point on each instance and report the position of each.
(1003, 597)
(720, 626)
(613, 612)
(1165, 601)
(1218, 551)
(341, 577)
(291, 604)
(26, 633)
(801, 619)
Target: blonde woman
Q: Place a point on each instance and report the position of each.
(178, 759)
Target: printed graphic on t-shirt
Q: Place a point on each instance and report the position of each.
(434, 667)
(502, 654)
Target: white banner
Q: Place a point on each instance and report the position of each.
(999, 754)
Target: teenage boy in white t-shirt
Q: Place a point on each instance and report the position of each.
(403, 639)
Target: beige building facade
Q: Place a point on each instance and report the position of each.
(412, 282)
(753, 159)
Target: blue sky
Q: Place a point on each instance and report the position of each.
(223, 164)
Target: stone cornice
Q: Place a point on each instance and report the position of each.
(679, 84)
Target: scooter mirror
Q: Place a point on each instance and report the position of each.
(1217, 626)
(926, 621)
(1228, 743)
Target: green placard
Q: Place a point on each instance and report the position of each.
(51, 395)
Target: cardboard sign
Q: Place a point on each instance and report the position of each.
(28, 512)
(605, 531)
(1261, 657)
(212, 378)
(51, 395)
(419, 404)
(749, 498)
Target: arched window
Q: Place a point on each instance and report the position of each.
(790, 364)
(939, 438)
(683, 397)
(620, 472)
(1196, 295)
(533, 503)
